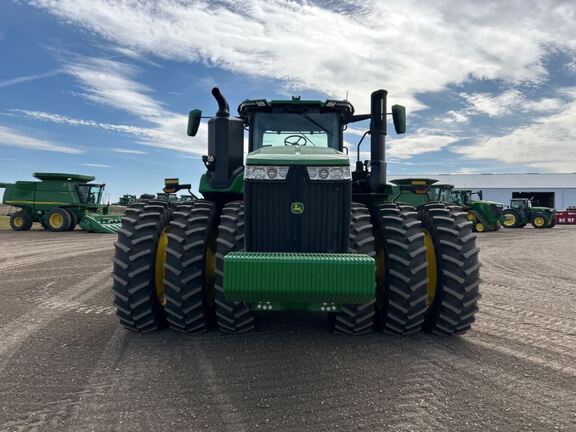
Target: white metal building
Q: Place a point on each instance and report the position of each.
(546, 189)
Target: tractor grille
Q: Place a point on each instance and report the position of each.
(271, 226)
(497, 210)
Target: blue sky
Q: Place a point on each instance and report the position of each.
(103, 87)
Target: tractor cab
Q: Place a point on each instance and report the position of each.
(441, 192)
(462, 197)
(418, 191)
(90, 193)
(295, 123)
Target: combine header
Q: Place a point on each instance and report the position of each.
(293, 228)
(59, 202)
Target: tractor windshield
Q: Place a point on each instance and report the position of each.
(296, 129)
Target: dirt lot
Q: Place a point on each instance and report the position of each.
(65, 364)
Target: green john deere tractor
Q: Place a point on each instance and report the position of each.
(59, 202)
(521, 212)
(485, 215)
(126, 199)
(295, 229)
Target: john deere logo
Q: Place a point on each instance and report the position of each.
(297, 208)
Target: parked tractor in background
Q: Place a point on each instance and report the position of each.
(125, 200)
(485, 215)
(290, 227)
(59, 202)
(521, 212)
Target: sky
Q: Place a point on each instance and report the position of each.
(104, 87)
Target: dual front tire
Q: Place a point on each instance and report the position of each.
(168, 267)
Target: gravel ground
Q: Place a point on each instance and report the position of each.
(66, 365)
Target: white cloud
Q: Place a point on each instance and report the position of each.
(14, 138)
(455, 117)
(112, 83)
(493, 105)
(548, 143)
(408, 47)
(96, 165)
(507, 103)
(417, 143)
(129, 151)
(26, 78)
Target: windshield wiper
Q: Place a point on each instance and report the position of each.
(316, 123)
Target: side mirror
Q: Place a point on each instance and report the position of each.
(194, 122)
(399, 118)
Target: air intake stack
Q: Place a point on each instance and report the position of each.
(225, 144)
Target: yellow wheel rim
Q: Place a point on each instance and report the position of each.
(18, 221)
(470, 217)
(56, 220)
(159, 268)
(431, 269)
(510, 220)
(480, 227)
(539, 221)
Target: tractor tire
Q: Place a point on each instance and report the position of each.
(357, 319)
(58, 220)
(73, 220)
(21, 221)
(552, 223)
(539, 221)
(231, 317)
(189, 266)
(453, 254)
(402, 275)
(138, 286)
(514, 219)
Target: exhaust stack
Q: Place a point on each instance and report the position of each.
(377, 178)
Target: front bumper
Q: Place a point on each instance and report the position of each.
(311, 281)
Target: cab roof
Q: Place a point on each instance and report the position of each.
(64, 177)
(296, 104)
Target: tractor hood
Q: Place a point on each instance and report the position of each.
(543, 209)
(297, 155)
(487, 202)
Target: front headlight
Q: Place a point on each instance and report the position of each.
(327, 173)
(258, 172)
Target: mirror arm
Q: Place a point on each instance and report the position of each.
(358, 147)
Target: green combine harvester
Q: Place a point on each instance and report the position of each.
(295, 229)
(521, 212)
(59, 202)
(485, 215)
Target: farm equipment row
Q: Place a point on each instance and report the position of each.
(485, 215)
